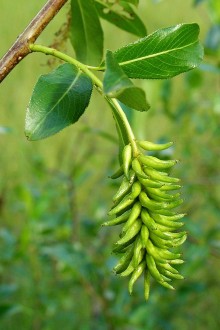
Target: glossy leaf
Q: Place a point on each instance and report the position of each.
(126, 19)
(86, 32)
(162, 54)
(117, 85)
(58, 100)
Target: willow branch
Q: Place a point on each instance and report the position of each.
(20, 48)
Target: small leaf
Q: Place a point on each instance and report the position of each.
(86, 32)
(58, 100)
(117, 85)
(126, 19)
(162, 54)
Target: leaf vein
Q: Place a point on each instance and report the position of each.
(58, 101)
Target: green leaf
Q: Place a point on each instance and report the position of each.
(86, 32)
(122, 16)
(162, 54)
(58, 100)
(117, 85)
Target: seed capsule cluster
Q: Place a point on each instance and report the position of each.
(144, 204)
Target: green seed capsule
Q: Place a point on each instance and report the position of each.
(122, 190)
(164, 212)
(128, 271)
(178, 235)
(122, 248)
(159, 193)
(150, 204)
(131, 233)
(149, 146)
(153, 268)
(179, 241)
(118, 173)
(149, 183)
(170, 187)
(159, 242)
(165, 278)
(136, 189)
(167, 267)
(158, 217)
(139, 259)
(161, 234)
(161, 199)
(156, 163)
(134, 214)
(167, 285)
(156, 198)
(124, 261)
(151, 250)
(170, 224)
(171, 275)
(157, 206)
(160, 176)
(135, 275)
(144, 234)
(165, 229)
(126, 159)
(146, 284)
(167, 254)
(117, 221)
(132, 176)
(174, 204)
(176, 261)
(136, 166)
(127, 201)
(138, 246)
(148, 221)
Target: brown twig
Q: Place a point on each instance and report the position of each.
(20, 48)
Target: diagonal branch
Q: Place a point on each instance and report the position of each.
(21, 46)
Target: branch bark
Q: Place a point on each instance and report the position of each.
(20, 48)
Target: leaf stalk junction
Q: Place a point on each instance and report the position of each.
(122, 122)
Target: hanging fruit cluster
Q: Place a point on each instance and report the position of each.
(144, 204)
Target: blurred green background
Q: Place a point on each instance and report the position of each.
(55, 259)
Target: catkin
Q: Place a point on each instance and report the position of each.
(144, 204)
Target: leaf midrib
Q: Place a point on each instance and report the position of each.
(156, 54)
(58, 101)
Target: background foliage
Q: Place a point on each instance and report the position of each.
(56, 264)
